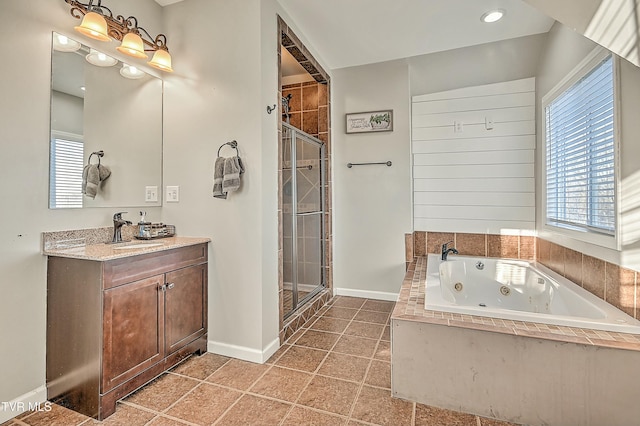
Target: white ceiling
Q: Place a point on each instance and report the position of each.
(355, 32)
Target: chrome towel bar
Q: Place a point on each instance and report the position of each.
(350, 165)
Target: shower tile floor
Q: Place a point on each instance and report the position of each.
(336, 370)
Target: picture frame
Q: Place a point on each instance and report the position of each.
(369, 121)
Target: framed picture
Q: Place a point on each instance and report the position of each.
(371, 121)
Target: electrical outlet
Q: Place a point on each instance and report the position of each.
(173, 194)
(458, 127)
(150, 194)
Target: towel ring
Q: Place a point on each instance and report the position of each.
(232, 144)
(100, 154)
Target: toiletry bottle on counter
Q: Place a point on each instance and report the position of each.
(143, 226)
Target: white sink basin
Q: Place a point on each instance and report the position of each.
(134, 246)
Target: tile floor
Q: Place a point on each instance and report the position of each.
(336, 370)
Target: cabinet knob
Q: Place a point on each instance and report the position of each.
(170, 286)
(163, 287)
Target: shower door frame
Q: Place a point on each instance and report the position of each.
(294, 131)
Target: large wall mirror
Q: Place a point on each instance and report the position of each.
(101, 104)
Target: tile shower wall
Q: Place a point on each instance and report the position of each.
(612, 283)
(311, 113)
(308, 108)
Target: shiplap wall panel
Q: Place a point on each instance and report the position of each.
(475, 177)
(454, 184)
(472, 199)
(477, 144)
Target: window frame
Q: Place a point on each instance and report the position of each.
(72, 137)
(590, 62)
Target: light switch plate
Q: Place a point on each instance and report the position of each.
(150, 194)
(173, 194)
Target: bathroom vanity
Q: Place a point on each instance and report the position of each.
(117, 317)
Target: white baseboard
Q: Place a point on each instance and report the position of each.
(244, 353)
(367, 294)
(29, 401)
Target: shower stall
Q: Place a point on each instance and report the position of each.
(303, 208)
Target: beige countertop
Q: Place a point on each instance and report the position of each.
(107, 251)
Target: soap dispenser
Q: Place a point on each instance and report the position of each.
(143, 226)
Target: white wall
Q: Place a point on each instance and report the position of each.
(24, 168)
(372, 208)
(225, 63)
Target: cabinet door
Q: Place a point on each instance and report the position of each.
(133, 330)
(185, 306)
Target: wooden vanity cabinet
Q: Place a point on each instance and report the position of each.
(112, 326)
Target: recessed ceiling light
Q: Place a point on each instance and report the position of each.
(492, 16)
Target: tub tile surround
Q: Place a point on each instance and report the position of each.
(612, 283)
(410, 307)
(595, 363)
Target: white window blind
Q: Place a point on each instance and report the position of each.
(65, 173)
(580, 164)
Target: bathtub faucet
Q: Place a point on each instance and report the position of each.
(446, 250)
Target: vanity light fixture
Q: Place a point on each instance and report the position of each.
(100, 59)
(129, 71)
(62, 43)
(492, 16)
(133, 38)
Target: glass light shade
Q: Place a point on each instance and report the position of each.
(161, 60)
(95, 26)
(62, 43)
(132, 45)
(131, 72)
(99, 59)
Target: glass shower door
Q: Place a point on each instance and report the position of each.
(303, 213)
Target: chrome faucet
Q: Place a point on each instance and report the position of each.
(117, 227)
(446, 250)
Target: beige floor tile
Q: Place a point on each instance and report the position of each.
(378, 305)
(379, 374)
(304, 416)
(164, 421)
(318, 339)
(432, 416)
(204, 404)
(282, 383)
(364, 329)
(339, 312)
(57, 416)
(349, 302)
(329, 394)
(282, 349)
(383, 351)
(343, 366)
(162, 392)
(386, 335)
(301, 358)
(253, 410)
(371, 316)
(379, 407)
(125, 415)
(358, 346)
(334, 325)
(200, 367)
(238, 374)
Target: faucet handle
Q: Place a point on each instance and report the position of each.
(118, 216)
(445, 245)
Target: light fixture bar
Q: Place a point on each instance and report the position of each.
(118, 27)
